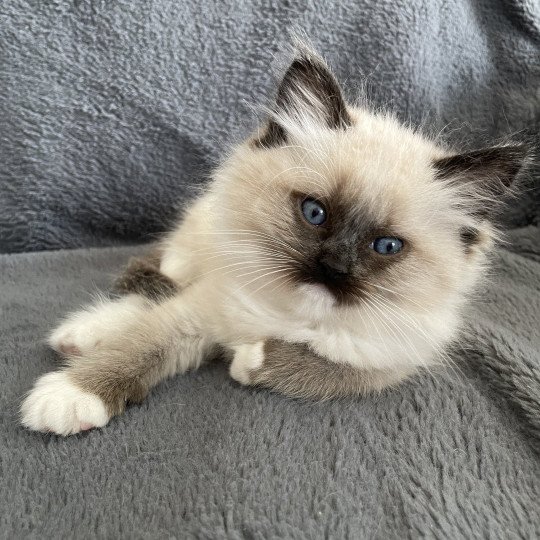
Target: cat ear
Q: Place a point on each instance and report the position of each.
(487, 174)
(307, 94)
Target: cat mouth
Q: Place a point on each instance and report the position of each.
(341, 285)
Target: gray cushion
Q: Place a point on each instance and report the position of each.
(447, 455)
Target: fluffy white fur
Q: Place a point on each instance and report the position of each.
(83, 331)
(57, 405)
(246, 358)
(231, 254)
(247, 297)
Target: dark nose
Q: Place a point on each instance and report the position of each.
(332, 269)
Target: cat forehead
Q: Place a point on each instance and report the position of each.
(349, 174)
(375, 153)
(370, 188)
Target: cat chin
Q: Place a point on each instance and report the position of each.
(316, 299)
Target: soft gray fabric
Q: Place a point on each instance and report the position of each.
(111, 110)
(448, 455)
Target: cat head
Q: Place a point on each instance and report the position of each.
(334, 201)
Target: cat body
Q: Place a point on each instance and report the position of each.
(332, 254)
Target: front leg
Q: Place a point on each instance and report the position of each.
(164, 339)
(139, 287)
(295, 370)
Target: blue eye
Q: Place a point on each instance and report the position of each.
(313, 211)
(387, 245)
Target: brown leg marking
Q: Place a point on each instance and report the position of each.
(295, 370)
(142, 276)
(125, 370)
(119, 377)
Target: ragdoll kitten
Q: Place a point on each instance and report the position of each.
(331, 255)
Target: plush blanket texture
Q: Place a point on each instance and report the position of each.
(111, 111)
(447, 455)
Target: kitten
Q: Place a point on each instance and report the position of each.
(332, 254)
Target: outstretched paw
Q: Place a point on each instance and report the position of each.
(57, 405)
(76, 336)
(84, 331)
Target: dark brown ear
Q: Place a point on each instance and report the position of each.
(489, 172)
(308, 87)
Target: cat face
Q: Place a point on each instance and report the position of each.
(334, 200)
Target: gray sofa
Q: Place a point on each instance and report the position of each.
(111, 113)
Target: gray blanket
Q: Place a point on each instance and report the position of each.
(447, 455)
(111, 111)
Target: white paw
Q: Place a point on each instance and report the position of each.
(85, 330)
(76, 337)
(246, 358)
(56, 404)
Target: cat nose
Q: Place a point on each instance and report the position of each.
(332, 268)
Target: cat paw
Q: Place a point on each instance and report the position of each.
(86, 330)
(247, 358)
(57, 405)
(74, 337)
